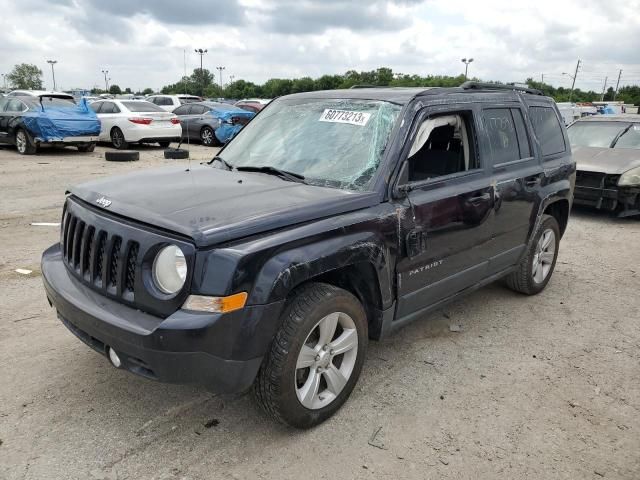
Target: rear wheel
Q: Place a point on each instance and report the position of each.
(208, 137)
(536, 268)
(118, 140)
(87, 147)
(24, 144)
(316, 356)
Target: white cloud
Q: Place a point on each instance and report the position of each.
(142, 45)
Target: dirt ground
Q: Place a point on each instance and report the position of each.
(530, 387)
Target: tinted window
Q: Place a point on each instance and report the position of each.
(141, 107)
(548, 130)
(183, 110)
(521, 130)
(165, 101)
(631, 139)
(503, 138)
(14, 105)
(95, 106)
(184, 100)
(109, 107)
(198, 109)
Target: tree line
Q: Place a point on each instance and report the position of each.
(202, 83)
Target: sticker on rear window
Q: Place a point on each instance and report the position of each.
(345, 116)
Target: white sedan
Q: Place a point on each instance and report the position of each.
(136, 121)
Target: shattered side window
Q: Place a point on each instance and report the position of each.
(333, 143)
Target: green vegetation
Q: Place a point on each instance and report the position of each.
(25, 77)
(203, 84)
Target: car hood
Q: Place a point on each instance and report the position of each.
(606, 160)
(212, 206)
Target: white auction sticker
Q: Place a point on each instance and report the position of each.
(345, 116)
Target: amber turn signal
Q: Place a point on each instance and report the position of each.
(202, 303)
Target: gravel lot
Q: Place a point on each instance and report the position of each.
(531, 387)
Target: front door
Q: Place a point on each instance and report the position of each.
(449, 203)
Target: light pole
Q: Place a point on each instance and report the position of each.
(4, 80)
(220, 69)
(466, 66)
(106, 80)
(53, 72)
(201, 52)
(231, 77)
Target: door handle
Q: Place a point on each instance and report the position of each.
(532, 181)
(485, 197)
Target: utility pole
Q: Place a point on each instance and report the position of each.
(201, 52)
(615, 94)
(53, 73)
(106, 80)
(466, 66)
(573, 84)
(231, 77)
(220, 69)
(604, 88)
(542, 78)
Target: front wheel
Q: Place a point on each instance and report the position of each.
(316, 356)
(536, 268)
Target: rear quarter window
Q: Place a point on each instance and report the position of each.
(547, 128)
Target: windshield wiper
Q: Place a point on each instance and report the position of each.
(227, 165)
(284, 174)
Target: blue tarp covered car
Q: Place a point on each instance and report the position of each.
(212, 123)
(31, 121)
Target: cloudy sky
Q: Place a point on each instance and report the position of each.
(142, 42)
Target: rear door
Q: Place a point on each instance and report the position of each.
(516, 174)
(186, 120)
(197, 119)
(12, 109)
(449, 202)
(110, 117)
(3, 121)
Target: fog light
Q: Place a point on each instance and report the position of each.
(115, 359)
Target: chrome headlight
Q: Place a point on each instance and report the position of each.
(630, 178)
(170, 270)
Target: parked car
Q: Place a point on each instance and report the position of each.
(171, 102)
(607, 153)
(253, 104)
(211, 123)
(136, 121)
(30, 121)
(337, 218)
(41, 93)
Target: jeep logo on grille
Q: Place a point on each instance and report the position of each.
(103, 202)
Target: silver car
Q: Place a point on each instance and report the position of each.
(607, 153)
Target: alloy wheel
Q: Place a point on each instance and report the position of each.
(544, 256)
(326, 360)
(207, 136)
(117, 138)
(21, 141)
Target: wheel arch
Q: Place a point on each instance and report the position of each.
(559, 209)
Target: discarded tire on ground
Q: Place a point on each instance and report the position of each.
(176, 154)
(122, 156)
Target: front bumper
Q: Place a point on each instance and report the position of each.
(600, 190)
(221, 352)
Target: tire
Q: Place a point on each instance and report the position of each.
(208, 137)
(164, 144)
(536, 267)
(87, 147)
(307, 321)
(176, 154)
(122, 156)
(117, 139)
(24, 143)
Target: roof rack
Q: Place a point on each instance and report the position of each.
(498, 86)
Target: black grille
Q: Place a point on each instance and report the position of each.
(132, 258)
(96, 256)
(596, 180)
